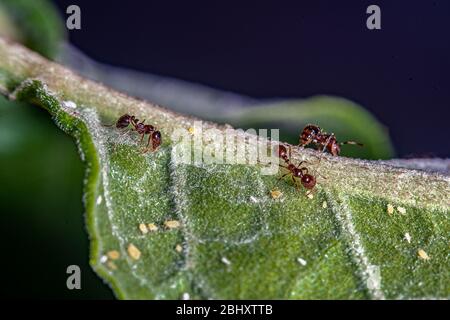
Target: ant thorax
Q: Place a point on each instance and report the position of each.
(149, 128)
(156, 139)
(140, 128)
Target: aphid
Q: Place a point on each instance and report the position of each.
(307, 180)
(133, 252)
(154, 136)
(113, 254)
(312, 134)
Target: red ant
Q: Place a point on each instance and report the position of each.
(142, 129)
(308, 181)
(313, 134)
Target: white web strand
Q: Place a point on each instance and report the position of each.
(370, 273)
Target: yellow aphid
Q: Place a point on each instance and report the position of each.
(111, 265)
(423, 255)
(152, 227)
(310, 196)
(133, 252)
(172, 224)
(178, 248)
(113, 254)
(191, 130)
(143, 228)
(390, 209)
(324, 205)
(276, 194)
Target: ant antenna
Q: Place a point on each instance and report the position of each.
(351, 142)
(108, 125)
(318, 165)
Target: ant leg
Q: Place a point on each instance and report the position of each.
(122, 133)
(109, 125)
(125, 131)
(304, 144)
(295, 183)
(316, 173)
(284, 175)
(146, 148)
(281, 177)
(328, 141)
(301, 162)
(316, 170)
(149, 140)
(304, 170)
(310, 192)
(134, 124)
(319, 159)
(290, 152)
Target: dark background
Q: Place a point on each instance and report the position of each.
(298, 49)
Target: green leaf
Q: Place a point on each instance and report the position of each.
(234, 240)
(34, 23)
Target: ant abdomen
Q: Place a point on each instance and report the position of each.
(156, 139)
(308, 181)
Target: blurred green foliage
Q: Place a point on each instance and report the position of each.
(42, 221)
(38, 24)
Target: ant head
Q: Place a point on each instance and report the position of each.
(308, 181)
(156, 139)
(282, 152)
(124, 121)
(308, 134)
